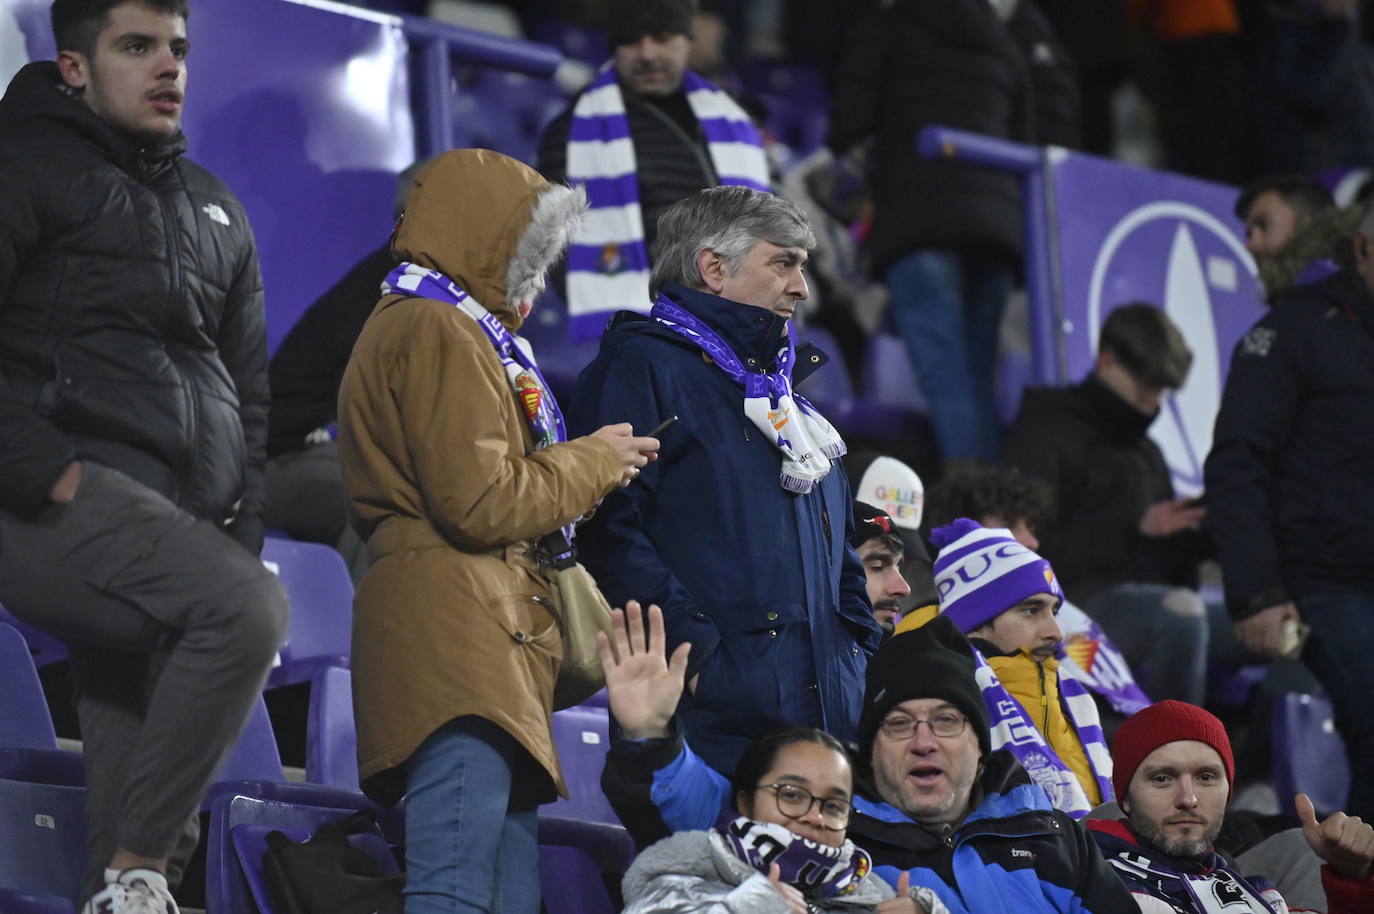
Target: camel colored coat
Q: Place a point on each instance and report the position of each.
(454, 617)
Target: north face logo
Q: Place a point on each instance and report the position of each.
(216, 213)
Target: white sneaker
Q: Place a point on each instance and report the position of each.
(136, 891)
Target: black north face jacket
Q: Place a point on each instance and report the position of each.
(131, 313)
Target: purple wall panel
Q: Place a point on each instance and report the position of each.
(303, 110)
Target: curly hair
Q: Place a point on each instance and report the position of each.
(978, 490)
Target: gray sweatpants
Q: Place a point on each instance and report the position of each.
(171, 627)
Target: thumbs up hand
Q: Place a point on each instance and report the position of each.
(1344, 842)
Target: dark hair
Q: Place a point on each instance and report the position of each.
(76, 24)
(978, 490)
(1147, 344)
(763, 753)
(1305, 196)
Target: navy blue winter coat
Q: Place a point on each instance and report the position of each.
(762, 582)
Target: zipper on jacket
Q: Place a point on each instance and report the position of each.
(1044, 702)
(175, 296)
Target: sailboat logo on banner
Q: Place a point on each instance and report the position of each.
(1207, 278)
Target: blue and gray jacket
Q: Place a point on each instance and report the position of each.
(1013, 854)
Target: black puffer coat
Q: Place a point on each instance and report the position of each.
(131, 313)
(913, 63)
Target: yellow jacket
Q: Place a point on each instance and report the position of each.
(1036, 688)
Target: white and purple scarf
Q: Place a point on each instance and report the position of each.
(816, 870)
(1091, 658)
(532, 392)
(807, 441)
(1214, 889)
(1013, 730)
(608, 261)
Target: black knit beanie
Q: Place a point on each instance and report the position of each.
(933, 661)
(627, 21)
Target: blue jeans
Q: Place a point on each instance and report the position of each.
(470, 844)
(1162, 632)
(1340, 654)
(947, 305)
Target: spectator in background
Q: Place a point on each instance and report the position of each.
(133, 404)
(946, 236)
(892, 486)
(741, 532)
(305, 497)
(1290, 494)
(462, 482)
(1294, 231)
(1174, 777)
(1122, 542)
(646, 133)
(1002, 497)
(880, 549)
(1194, 73)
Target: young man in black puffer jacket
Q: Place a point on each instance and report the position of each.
(133, 411)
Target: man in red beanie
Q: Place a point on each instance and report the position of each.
(1173, 774)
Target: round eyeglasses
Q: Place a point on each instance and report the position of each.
(795, 802)
(942, 723)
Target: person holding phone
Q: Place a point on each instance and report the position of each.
(741, 530)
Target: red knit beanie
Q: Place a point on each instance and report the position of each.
(1167, 722)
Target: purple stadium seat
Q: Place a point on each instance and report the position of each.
(42, 845)
(250, 843)
(229, 885)
(571, 883)
(560, 359)
(1308, 754)
(321, 594)
(331, 740)
(888, 377)
(582, 737)
(44, 648)
(26, 722)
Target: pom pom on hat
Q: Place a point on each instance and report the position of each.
(943, 536)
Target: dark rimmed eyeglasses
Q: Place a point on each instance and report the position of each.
(944, 723)
(795, 802)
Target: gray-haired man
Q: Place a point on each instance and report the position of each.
(740, 532)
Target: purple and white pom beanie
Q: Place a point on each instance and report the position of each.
(981, 572)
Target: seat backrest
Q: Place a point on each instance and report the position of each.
(321, 595)
(255, 756)
(571, 883)
(581, 735)
(42, 838)
(25, 722)
(331, 736)
(43, 648)
(1308, 754)
(227, 888)
(888, 377)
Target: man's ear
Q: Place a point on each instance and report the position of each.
(74, 67)
(712, 268)
(1125, 804)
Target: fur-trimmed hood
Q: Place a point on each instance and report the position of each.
(1325, 236)
(490, 223)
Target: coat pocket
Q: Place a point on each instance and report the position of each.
(529, 621)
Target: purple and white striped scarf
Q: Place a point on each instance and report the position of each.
(807, 441)
(1092, 659)
(816, 870)
(1012, 729)
(608, 261)
(532, 393)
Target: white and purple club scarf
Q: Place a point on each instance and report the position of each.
(1012, 729)
(796, 428)
(1091, 657)
(608, 261)
(532, 392)
(818, 871)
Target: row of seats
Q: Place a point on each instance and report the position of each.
(42, 830)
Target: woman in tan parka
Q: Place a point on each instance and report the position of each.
(456, 475)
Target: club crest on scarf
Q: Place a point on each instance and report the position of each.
(531, 390)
